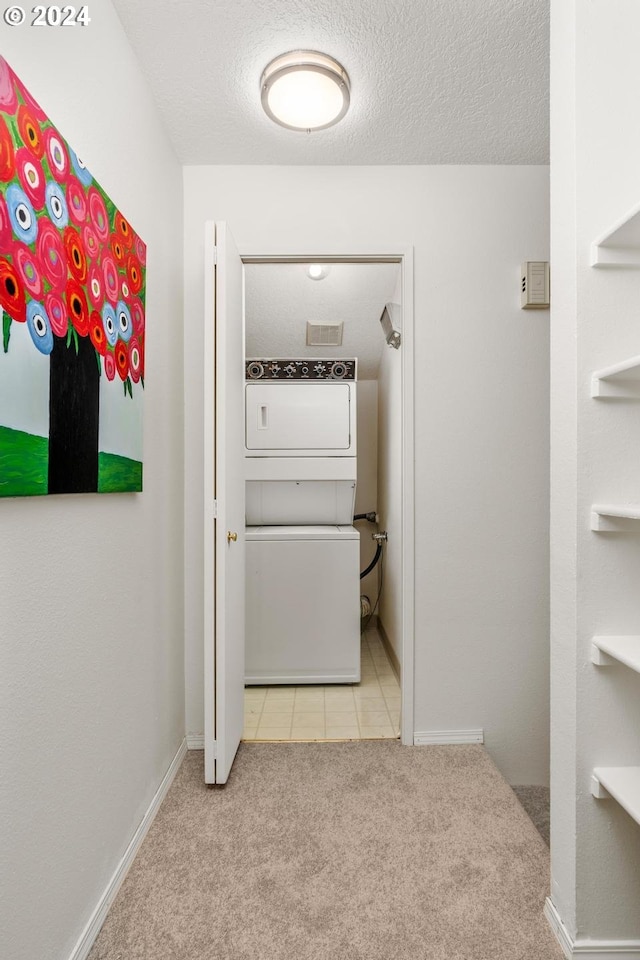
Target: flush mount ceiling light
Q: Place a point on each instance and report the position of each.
(318, 271)
(305, 90)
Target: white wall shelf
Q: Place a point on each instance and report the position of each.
(604, 516)
(621, 783)
(615, 381)
(620, 245)
(606, 651)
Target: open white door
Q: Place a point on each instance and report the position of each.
(224, 511)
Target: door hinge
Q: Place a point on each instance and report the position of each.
(215, 509)
(215, 254)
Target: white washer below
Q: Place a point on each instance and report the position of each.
(303, 605)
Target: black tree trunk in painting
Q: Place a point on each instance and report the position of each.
(74, 407)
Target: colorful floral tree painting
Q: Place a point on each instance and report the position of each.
(72, 273)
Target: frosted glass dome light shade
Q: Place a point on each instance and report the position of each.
(318, 271)
(305, 90)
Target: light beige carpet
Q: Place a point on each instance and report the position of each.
(536, 801)
(337, 851)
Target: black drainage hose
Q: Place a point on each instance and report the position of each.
(373, 562)
(371, 517)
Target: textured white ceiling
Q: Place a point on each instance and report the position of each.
(432, 81)
(280, 299)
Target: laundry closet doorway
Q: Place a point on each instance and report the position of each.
(275, 330)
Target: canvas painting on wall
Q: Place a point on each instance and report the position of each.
(72, 295)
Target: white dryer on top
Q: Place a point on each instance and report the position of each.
(300, 419)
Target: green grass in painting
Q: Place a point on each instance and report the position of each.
(24, 464)
(116, 474)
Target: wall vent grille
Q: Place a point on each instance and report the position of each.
(324, 334)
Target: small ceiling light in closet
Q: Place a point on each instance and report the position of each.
(305, 90)
(318, 271)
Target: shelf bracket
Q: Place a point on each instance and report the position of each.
(597, 790)
(600, 658)
(600, 522)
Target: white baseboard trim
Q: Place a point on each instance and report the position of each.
(594, 949)
(92, 929)
(558, 928)
(431, 737)
(195, 741)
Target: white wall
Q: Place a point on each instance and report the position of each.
(91, 596)
(481, 418)
(367, 488)
(595, 458)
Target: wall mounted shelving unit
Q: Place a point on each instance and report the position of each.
(618, 247)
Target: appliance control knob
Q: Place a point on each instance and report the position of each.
(255, 370)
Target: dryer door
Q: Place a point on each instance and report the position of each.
(285, 417)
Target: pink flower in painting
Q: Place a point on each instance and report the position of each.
(95, 286)
(109, 365)
(98, 214)
(111, 280)
(57, 155)
(52, 255)
(31, 176)
(6, 232)
(137, 316)
(57, 311)
(8, 100)
(29, 268)
(91, 243)
(76, 201)
(141, 251)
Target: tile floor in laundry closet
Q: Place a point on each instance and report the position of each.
(359, 711)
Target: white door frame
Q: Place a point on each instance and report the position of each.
(403, 255)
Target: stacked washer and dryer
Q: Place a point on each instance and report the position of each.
(302, 551)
